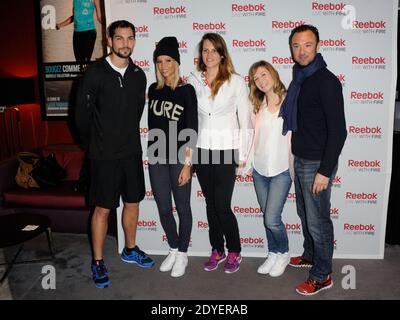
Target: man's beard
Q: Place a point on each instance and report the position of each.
(122, 55)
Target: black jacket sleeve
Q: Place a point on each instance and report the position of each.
(85, 103)
(333, 108)
(191, 117)
(142, 96)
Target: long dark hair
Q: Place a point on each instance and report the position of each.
(226, 68)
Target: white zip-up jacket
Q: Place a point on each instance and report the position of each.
(225, 121)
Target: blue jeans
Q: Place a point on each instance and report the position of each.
(164, 181)
(271, 195)
(314, 213)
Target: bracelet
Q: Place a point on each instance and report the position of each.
(188, 163)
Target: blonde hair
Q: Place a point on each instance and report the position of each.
(256, 95)
(177, 78)
(226, 68)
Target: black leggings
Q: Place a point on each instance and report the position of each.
(83, 45)
(217, 182)
(164, 180)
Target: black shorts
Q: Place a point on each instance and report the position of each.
(111, 179)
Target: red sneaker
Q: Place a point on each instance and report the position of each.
(311, 286)
(300, 262)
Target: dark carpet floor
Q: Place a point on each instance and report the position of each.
(374, 279)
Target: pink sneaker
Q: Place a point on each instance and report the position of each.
(232, 264)
(215, 259)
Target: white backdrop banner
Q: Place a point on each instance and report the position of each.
(358, 42)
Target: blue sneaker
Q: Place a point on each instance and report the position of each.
(137, 256)
(100, 275)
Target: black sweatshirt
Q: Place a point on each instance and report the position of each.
(167, 108)
(321, 122)
(108, 110)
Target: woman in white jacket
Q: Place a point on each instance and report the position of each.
(271, 162)
(223, 141)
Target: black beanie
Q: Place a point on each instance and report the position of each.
(167, 46)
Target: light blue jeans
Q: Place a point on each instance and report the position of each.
(314, 213)
(271, 195)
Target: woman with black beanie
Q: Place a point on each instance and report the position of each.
(172, 113)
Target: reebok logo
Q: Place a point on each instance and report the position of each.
(142, 63)
(252, 210)
(282, 60)
(368, 60)
(182, 44)
(364, 164)
(369, 24)
(366, 95)
(142, 29)
(333, 43)
(248, 7)
(150, 223)
(341, 77)
(327, 6)
(293, 226)
(250, 240)
(360, 227)
(208, 26)
(248, 43)
(246, 179)
(169, 10)
(337, 180)
(363, 130)
(286, 24)
(361, 196)
(334, 211)
(202, 225)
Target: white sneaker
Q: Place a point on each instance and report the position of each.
(169, 261)
(180, 264)
(279, 267)
(266, 267)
